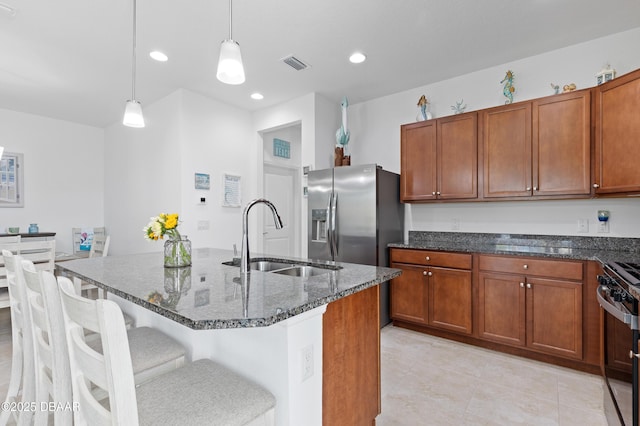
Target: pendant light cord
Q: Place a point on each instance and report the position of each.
(133, 60)
(230, 19)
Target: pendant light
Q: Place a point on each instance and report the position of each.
(133, 110)
(230, 68)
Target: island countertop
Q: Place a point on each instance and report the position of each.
(211, 295)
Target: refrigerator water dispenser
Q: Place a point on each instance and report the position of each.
(319, 225)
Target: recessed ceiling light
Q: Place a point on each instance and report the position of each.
(357, 58)
(257, 96)
(159, 56)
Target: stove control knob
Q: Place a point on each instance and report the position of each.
(618, 296)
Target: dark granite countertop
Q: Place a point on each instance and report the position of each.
(210, 295)
(603, 249)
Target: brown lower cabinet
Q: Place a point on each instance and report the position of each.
(530, 306)
(538, 313)
(436, 293)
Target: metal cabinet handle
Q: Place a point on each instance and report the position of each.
(595, 185)
(528, 285)
(427, 258)
(535, 188)
(522, 285)
(424, 273)
(631, 355)
(525, 266)
(430, 273)
(528, 188)
(438, 193)
(433, 193)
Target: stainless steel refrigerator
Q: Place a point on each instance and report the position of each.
(354, 212)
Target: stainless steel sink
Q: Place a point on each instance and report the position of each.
(286, 268)
(302, 271)
(268, 266)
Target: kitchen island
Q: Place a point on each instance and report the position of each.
(269, 327)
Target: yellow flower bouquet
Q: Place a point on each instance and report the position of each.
(177, 250)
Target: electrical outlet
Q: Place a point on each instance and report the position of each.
(603, 227)
(203, 225)
(583, 225)
(306, 356)
(455, 224)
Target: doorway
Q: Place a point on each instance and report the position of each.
(282, 185)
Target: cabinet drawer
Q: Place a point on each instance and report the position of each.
(432, 258)
(571, 270)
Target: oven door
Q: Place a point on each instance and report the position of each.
(620, 400)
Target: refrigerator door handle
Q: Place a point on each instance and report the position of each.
(334, 227)
(328, 228)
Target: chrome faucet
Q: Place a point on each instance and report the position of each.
(245, 260)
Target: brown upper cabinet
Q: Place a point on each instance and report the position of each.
(617, 135)
(439, 159)
(538, 149)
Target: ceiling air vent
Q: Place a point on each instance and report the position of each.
(295, 63)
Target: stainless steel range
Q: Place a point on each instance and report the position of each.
(620, 344)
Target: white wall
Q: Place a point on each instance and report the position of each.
(63, 175)
(142, 175)
(375, 138)
(152, 170)
(215, 139)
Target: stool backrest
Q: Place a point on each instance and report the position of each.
(51, 354)
(21, 330)
(110, 371)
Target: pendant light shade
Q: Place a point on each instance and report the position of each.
(230, 68)
(133, 114)
(133, 110)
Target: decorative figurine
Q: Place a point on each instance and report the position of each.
(458, 108)
(568, 88)
(423, 109)
(556, 88)
(605, 75)
(342, 138)
(508, 86)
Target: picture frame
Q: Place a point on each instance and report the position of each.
(231, 194)
(202, 181)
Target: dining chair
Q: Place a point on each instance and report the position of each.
(202, 392)
(80, 236)
(11, 243)
(22, 381)
(99, 248)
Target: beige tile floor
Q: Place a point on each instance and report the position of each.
(432, 381)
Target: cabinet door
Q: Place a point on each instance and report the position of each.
(554, 317)
(617, 135)
(562, 144)
(507, 151)
(450, 305)
(457, 155)
(501, 308)
(409, 297)
(418, 161)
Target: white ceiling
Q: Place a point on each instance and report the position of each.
(71, 59)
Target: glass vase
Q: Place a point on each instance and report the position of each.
(177, 252)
